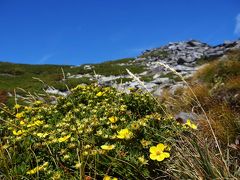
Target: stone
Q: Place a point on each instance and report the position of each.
(161, 80)
(182, 117)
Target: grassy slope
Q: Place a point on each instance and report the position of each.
(13, 76)
(195, 156)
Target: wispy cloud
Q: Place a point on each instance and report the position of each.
(45, 58)
(237, 27)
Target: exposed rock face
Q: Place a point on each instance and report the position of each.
(181, 56)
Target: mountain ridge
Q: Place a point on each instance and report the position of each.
(185, 57)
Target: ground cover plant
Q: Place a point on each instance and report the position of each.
(95, 132)
(100, 133)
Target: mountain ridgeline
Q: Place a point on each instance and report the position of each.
(185, 57)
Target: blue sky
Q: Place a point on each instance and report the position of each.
(90, 31)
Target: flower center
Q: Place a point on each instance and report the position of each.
(158, 152)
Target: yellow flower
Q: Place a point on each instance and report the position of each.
(77, 165)
(62, 139)
(42, 135)
(108, 147)
(38, 102)
(124, 134)
(113, 119)
(38, 122)
(191, 125)
(142, 160)
(27, 108)
(19, 115)
(135, 125)
(99, 94)
(145, 143)
(157, 152)
(66, 157)
(123, 108)
(22, 122)
(17, 106)
(38, 168)
(109, 178)
(17, 133)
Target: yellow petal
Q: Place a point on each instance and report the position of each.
(161, 147)
(153, 149)
(160, 157)
(166, 154)
(107, 178)
(193, 126)
(153, 156)
(108, 147)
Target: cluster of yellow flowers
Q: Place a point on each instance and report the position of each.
(92, 121)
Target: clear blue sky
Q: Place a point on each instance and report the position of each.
(90, 31)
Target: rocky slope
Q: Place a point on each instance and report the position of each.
(185, 57)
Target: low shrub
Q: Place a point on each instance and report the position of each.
(94, 132)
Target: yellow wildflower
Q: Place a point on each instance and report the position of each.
(42, 135)
(123, 108)
(109, 178)
(62, 139)
(22, 122)
(66, 157)
(27, 108)
(85, 153)
(38, 102)
(190, 124)
(56, 175)
(113, 119)
(18, 133)
(145, 143)
(135, 125)
(77, 165)
(38, 168)
(99, 94)
(157, 152)
(38, 122)
(108, 147)
(142, 160)
(124, 134)
(20, 115)
(17, 106)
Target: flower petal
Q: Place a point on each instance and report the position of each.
(153, 149)
(166, 154)
(161, 147)
(153, 156)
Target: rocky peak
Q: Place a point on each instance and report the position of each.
(181, 56)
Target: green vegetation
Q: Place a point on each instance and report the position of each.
(123, 80)
(94, 132)
(36, 78)
(146, 78)
(100, 133)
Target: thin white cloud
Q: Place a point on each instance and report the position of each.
(237, 27)
(45, 58)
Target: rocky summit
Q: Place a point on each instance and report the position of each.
(184, 57)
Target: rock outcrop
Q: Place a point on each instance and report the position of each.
(183, 57)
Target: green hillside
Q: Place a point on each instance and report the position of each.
(97, 132)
